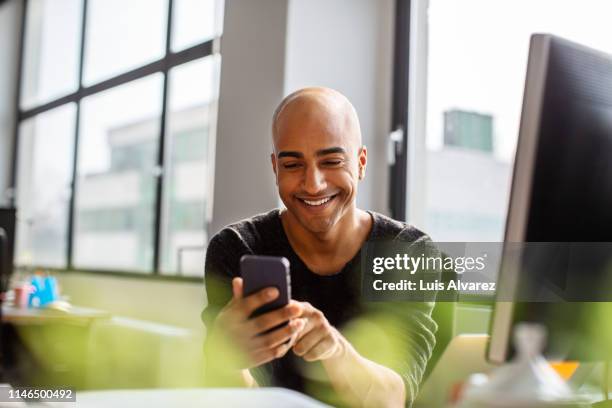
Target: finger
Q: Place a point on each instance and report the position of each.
(309, 326)
(324, 348)
(237, 285)
(278, 336)
(294, 338)
(274, 318)
(265, 356)
(308, 308)
(281, 350)
(314, 317)
(253, 302)
(307, 342)
(232, 307)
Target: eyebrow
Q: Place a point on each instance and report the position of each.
(321, 152)
(331, 150)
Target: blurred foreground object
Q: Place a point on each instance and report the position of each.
(527, 381)
(44, 291)
(196, 398)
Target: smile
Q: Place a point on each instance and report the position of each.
(316, 203)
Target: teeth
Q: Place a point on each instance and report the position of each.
(318, 202)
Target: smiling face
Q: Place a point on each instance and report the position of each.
(318, 158)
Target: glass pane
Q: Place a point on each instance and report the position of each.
(474, 99)
(44, 174)
(51, 50)
(195, 21)
(188, 174)
(115, 197)
(122, 35)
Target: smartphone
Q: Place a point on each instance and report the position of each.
(259, 272)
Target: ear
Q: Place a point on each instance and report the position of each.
(362, 161)
(273, 160)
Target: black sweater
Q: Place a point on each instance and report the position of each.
(408, 329)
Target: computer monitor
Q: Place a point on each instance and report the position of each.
(561, 188)
(7, 246)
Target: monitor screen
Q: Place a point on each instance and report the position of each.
(561, 193)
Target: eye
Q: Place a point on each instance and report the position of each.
(332, 163)
(291, 165)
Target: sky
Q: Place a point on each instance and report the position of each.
(478, 55)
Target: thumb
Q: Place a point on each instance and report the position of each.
(237, 288)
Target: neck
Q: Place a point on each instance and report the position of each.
(348, 232)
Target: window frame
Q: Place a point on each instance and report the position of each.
(398, 171)
(163, 65)
(409, 106)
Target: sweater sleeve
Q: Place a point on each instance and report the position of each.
(419, 341)
(419, 334)
(222, 265)
(399, 335)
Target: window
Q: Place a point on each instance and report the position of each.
(51, 50)
(459, 79)
(116, 177)
(195, 21)
(46, 151)
(115, 143)
(122, 35)
(187, 192)
(476, 59)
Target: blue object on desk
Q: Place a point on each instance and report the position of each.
(44, 291)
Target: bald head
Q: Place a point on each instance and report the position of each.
(318, 158)
(319, 107)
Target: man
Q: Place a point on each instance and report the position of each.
(318, 161)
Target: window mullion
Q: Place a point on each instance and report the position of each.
(77, 131)
(157, 233)
(13, 183)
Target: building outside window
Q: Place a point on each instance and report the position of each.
(116, 134)
(474, 64)
(468, 62)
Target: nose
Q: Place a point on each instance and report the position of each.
(314, 181)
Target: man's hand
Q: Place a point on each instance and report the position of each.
(247, 333)
(318, 340)
(359, 381)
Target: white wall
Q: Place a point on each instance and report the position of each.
(168, 302)
(348, 45)
(10, 22)
(252, 78)
(271, 48)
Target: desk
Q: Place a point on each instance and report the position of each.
(91, 349)
(47, 346)
(28, 316)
